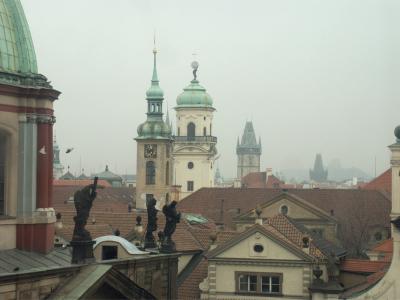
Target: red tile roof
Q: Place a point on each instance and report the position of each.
(381, 183)
(259, 180)
(107, 200)
(291, 232)
(362, 265)
(385, 246)
(189, 289)
(79, 182)
(187, 237)
(223, 204)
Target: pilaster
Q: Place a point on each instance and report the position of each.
(44, 160)
(27, 157)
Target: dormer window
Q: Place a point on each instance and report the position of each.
(284, 210)
(109, 252)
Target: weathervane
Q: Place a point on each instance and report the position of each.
(195, 66)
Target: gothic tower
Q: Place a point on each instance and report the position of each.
(154, 145)
(248, 152)
(195, 146)
(318, 174)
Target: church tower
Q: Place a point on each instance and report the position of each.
(154, 145)
(318, 174)
(195, 146)
(248, 152)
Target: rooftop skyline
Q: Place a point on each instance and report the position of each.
(314, 77)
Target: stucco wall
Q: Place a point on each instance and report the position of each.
(200, 117)
(292, 280)
(202, 173)
(272, 250)
(160, 188)
(295, 211)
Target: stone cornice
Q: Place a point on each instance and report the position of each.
(26, 109)
(259, 261)
(39, 92)
(37, 119)
(395, 162)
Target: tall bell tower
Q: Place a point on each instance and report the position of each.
(154, 147)
(195, 146)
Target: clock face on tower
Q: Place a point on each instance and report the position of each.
(150, 150)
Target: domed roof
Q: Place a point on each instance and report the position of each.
(154, 129)
(17, 54)
(107, 174)
(194, 95)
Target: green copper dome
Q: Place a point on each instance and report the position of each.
(154, 130)
(194, 95)
(17, 54)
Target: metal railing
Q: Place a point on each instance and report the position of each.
(207, 139)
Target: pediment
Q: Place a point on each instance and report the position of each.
(273, 247)
(297, 208)
(190, 149)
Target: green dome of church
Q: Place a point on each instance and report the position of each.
(17, 54)
(154, 130)
(194, 95)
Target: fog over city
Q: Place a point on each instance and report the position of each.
(313, 76)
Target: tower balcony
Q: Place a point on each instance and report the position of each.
(196, 139)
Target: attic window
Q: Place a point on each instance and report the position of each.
(258, 248)
(284, 210)
(109, 252)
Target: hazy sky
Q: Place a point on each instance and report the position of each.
(313, 76)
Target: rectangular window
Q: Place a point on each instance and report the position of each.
(190, 186)
(259, 283)
(270, 284)
(248, 283)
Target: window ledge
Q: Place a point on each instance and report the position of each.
(260, 294)
(7, 220)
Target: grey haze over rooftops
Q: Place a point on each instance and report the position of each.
(313, 76)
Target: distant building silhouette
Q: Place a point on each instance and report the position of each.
(248, 152)
(318, 174)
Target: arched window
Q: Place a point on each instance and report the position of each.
(150, 172)
(191, 131)
(179, 131)
(204, 131)
(210, 129)
(167, 174)
(3, 141)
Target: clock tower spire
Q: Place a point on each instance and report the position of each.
(154, 142)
